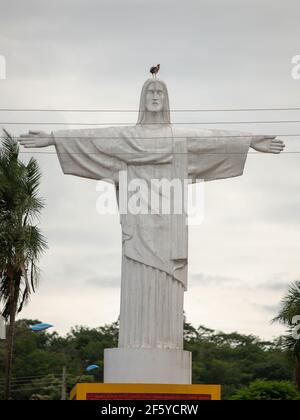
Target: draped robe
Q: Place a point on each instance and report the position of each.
(154, 246)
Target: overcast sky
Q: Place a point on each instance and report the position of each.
(213, 54)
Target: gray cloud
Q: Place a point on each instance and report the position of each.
(276, 286)
(104, 281)
(202, 279)
(271, 309)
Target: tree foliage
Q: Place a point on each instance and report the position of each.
(267, 390)
(21, 242)
(232, 360)
(289, 315)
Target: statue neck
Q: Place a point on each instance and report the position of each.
(154, 118)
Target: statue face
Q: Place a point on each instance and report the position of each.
(155, 97)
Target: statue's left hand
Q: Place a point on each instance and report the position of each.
(267, 144)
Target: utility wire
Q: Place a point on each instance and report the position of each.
(221, 136)
(37, 383)
(33, 377)
(134, 110)
(22, 381)
(28, 388)
(156, 138)
(159, 153)
(160, 123)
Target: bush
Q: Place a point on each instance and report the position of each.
(268, 390)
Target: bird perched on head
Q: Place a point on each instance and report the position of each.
(154, 70)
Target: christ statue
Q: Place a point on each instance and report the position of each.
(154, 246)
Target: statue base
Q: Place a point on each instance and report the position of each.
(154, 392)
(147, 366)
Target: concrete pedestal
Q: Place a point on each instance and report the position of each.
(147, 366)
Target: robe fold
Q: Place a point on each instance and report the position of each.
(155, 246)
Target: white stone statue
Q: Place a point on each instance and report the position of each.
(155, 246)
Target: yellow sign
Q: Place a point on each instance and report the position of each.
(96, 391)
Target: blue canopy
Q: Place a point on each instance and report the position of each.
(92, 367)
(40, 327)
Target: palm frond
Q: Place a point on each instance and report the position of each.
(290, 305)
(10, 147)
(290, 308)
(21, 242)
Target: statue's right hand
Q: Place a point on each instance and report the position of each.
(36, 139)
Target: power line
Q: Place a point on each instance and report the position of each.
(158, 152)
(33, 377)
(144, 138)
(161, 153)
(36, 383)
(160, 123)
(158, 137)
(42, 378)
(30, 387)
(136, 110)
(43, 382)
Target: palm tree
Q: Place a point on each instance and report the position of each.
(290, 309)
(21, 243)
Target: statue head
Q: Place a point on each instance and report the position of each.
(154, 103)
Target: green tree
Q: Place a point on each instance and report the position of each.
(267, 390)
(290, 310)
(21, 242)
(232, 360)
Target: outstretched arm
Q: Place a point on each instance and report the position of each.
(216, 154)
(77, 152)
(267, 144)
